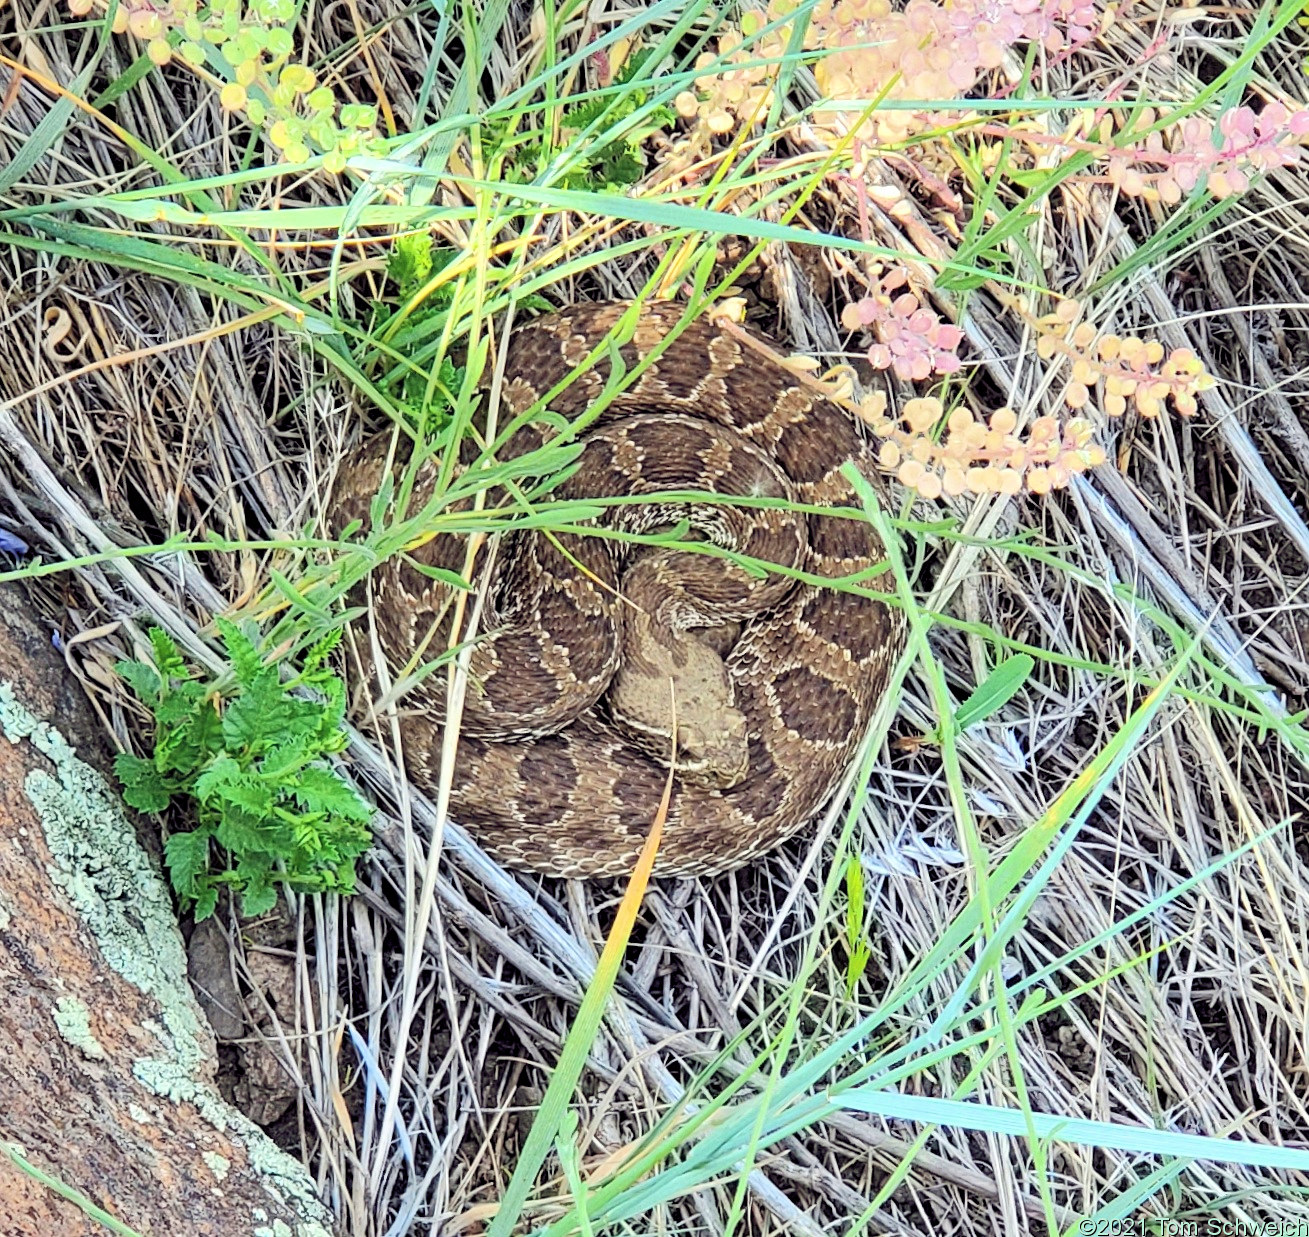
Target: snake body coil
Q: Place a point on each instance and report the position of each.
(566, 732)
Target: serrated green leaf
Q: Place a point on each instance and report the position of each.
(142, 679)
(224, 782)
(243, 835)
(245, 659)
(205, 733)
(224, 768)
(258, 898)
(186, 856)
(259, 714)
(253, 877)
(178, 703)
(206, 901)
(143, 786)
(333, 715)
(168, 661)
(320, 651)
(284, 760)
(320, 789)
(410, 261)
(247, 793)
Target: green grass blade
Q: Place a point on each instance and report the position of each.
(991, 1119)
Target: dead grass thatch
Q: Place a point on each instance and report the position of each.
(133, 412)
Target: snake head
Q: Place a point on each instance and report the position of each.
(714, 754)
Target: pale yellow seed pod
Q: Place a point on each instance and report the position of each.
(974, 437)
(873, 410)
(1084, 373)
(1004, 420)
(1132, 183)
(960, 420)
(910, 473)
(922, 413)
(232, 97)
(930, 486)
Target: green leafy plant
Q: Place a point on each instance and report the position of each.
(252, 759)
(614, 165)
(857, 949)
(410, 325)
(250, 48)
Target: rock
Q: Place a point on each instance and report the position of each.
(106, 1090)
(209, 967)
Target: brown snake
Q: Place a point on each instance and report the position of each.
(566, 731)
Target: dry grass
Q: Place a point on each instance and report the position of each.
(1194, 1019)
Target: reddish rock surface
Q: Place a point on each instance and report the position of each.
(106, 1064)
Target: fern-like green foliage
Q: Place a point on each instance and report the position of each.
(614, 166)
(252, 760)
(427, 398)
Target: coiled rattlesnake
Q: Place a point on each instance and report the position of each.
(565, 736)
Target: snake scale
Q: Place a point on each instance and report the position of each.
(593, 646)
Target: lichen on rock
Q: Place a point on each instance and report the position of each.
(118, 893)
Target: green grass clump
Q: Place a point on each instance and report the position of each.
(251, 759)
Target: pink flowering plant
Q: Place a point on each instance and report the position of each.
(910, 340)
(899, 77)
(1170, 162)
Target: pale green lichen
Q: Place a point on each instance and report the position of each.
(116, 890)
(278, 1229)
(139, 1115)
(219, 1165)
(73, 1020)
